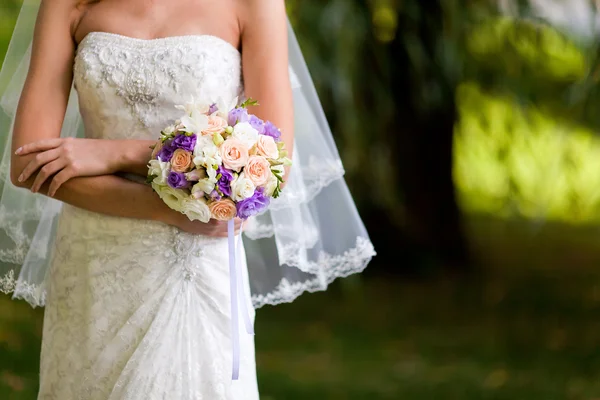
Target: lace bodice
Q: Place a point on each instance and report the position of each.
(128, 87)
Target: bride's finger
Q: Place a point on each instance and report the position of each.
(59, 179)
(38, 161)
(40, 145)
(46, 172)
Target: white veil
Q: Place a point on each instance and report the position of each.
(311, 235)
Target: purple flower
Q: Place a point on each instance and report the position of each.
(224, 182)
(253, 205)
(185, 142)
(166, 152)
(215, 196)
(213, 109)
(237, 115)
(272, 130)
(177, 180)
(257, 124)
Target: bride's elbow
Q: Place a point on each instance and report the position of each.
(15, 173)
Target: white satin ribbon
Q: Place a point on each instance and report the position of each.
(238, 296)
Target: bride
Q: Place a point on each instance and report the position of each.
(138, 298)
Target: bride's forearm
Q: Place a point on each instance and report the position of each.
(132, 155)
(111, 195)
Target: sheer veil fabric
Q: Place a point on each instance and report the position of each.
(311, 235)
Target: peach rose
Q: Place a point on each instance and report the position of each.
(234, 154)
(258, 170)
(223, 210)
(216, 124)
(181, 161)
(156, 149)
(267, 147)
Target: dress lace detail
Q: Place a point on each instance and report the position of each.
(144, 75)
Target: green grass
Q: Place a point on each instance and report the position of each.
(529, 328)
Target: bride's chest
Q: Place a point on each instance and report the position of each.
(119, 78)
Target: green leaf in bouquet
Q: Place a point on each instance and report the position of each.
(249, 102)
(277, 191)
(278, 176)
(150, 178)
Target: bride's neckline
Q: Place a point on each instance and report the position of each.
(163, 40)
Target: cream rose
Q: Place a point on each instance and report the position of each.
(234, 154)
(195, 209)
(258, 170)
(173, 198)
(242, 188)
(266, 146)
(181, 161)
(223, 210)
(215, 125)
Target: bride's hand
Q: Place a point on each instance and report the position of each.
(66, 158)
(212, 228)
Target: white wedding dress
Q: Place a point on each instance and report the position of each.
(137, 309)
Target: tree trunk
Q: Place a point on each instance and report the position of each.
(424, 128)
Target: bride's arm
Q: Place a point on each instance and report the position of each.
(40, 115)
(265, 63)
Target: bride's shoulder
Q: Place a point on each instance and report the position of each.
(63, 12)
(260, 11)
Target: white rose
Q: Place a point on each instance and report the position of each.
(160, 169)
(173, 198)
(246, 134)
(242, 188)
(196, 209)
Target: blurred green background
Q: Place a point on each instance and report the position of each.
(478, 124)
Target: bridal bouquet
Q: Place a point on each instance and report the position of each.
(218, 162)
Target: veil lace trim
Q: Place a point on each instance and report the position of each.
(327, 269)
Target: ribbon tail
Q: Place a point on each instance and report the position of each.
(242, 287)
(233, 286)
